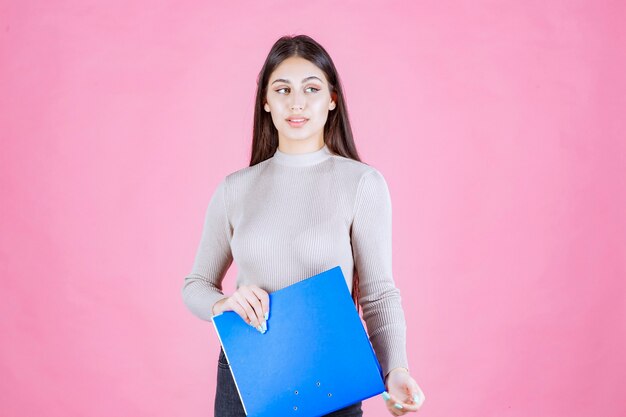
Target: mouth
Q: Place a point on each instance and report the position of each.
(297, 121)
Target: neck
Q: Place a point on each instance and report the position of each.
(302, 159)
(292, 146)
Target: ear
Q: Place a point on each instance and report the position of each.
(266, 107)
(333, 101)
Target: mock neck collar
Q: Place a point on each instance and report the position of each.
(302, 159)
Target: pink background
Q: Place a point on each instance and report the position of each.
(500, 129)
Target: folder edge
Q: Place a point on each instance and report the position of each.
(229, 367)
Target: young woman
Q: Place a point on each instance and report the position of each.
(305, 204)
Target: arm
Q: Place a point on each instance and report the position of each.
(379, 298)
(202, 288)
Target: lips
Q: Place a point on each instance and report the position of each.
(296, 121)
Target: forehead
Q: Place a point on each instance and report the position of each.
(295, 69)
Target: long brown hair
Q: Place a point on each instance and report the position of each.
(337, 130)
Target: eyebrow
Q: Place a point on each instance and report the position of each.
(288, 82)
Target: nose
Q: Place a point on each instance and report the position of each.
(297, 102)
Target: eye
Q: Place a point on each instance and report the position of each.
(287, 88)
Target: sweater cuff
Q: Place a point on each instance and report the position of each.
(387, 374)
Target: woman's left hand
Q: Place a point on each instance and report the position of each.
(403, 394)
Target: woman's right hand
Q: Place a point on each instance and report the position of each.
(251, 302)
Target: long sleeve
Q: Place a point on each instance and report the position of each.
(379, 298)
(203, 286)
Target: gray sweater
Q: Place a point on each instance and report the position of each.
(296, 215)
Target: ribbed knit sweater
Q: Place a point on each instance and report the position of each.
(296, 215)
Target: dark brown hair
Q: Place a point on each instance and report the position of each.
(337, 131)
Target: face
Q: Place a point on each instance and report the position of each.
(297, 89)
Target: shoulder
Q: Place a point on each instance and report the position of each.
(361, 174)
(245, 176)
(357, 171)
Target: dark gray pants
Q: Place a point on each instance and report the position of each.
(228, 404)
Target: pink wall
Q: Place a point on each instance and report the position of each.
(499, 127)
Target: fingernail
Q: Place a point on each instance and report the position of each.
(386, 396)
(264, 325)
(398, 406)
(416, 398)
(267, 315)
(259, 328)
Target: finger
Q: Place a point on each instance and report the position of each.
(250, 316)
(404, 404)
(408, 406)
(416, 394)
(255, 295)
(237, 308)
(393, 404)
(255, 303)
(406, 400)
(418, 397)
(265, 300)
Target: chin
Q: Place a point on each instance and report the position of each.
(297, 139)
(299, 135)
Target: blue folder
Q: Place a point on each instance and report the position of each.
(315, 357)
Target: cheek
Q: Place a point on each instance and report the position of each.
(276, 105)
(319, 105)
(277, 110)
(321, 111)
